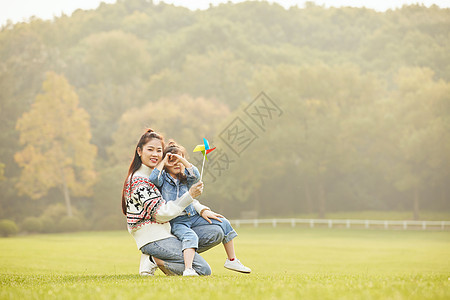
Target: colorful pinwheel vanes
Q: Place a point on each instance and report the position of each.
(205, 149)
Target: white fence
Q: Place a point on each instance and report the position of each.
(374, 224)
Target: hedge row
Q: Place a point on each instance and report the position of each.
(45, 224)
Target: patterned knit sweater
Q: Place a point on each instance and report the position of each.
(147, 213)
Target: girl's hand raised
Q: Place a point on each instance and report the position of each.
(164, 162)
(178, 158)
(169, 160)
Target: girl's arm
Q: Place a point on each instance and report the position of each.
(157, 175)
(191, 171)
(192, 175)
(182, 160)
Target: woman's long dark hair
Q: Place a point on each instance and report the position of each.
(136, 163)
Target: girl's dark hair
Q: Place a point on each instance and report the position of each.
(136, 162)
(173, 147)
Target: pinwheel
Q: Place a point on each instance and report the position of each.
(205, 149)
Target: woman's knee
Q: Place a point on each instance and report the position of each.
(209, 236)
(206, 271)
(202, 268)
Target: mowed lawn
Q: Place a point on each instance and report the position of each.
(287, 263)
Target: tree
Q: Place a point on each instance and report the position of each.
(421, 139)
(319, 137)
(2, 170)
(183, 118)
(56, 138)
(113, 57)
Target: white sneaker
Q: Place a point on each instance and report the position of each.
(146, 266)
(236, 265)
(189, 272)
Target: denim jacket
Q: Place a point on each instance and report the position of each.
(171, 189)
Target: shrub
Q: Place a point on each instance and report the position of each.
(47, 224)
(69, 224)
(8, 228)
(32, 224)
(55, 211)
(111, 222)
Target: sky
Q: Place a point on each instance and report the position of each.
(21, 10)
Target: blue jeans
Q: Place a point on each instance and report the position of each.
(183, 227)
(169, 250)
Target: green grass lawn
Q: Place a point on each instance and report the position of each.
(287, 263)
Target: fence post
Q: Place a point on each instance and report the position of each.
(424, 225)
(367, 224)
(255, 223)
(274, 223)
(386, 224)
(293, 222)
(237, 223)
(311, 223)
(405, 225)
(348, 223)
(330, 224)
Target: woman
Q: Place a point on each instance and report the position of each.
(148, 214)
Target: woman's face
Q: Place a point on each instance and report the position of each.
(151, 153)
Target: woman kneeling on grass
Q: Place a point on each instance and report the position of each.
(174, 176)
(148, 214)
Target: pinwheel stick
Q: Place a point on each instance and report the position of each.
(205, 149)
(203, 164)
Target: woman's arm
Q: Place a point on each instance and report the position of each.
(145, 202)
(172, 209)
(206, 212)
(198, 206)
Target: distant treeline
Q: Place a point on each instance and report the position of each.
(312, 109)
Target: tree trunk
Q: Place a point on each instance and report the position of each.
(67, 199)
(416, 203)
(256, 203)
(309, 204)
(321, 200)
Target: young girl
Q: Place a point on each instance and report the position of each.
(174, 175)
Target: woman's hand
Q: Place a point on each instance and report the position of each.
(207, 215)
(196, 190)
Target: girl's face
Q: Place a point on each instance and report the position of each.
(151, 153)
(174, 166)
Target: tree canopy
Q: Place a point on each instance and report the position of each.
(56, 137)
(362, 117)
